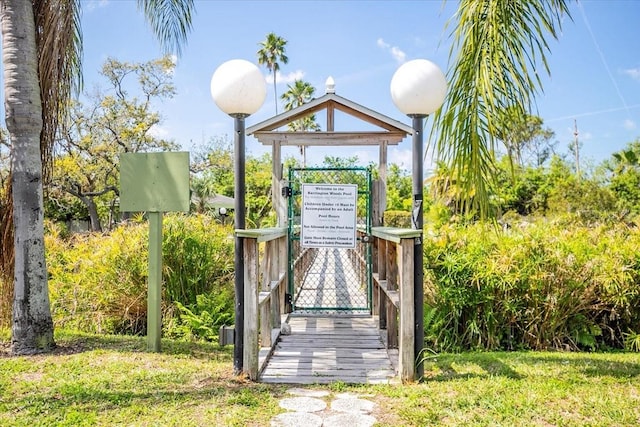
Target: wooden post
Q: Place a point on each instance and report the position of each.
(392, 285)
(382, 182)
(250, 338)
(407, 361)
(154, 291)
(382, 276)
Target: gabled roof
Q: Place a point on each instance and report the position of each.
(393, 131)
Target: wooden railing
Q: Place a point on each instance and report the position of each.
(393, 286)
(303, 258)
(265, 278)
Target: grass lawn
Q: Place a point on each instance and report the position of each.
(107, 380)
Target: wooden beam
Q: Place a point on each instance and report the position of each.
(331, 101)
(329, 138)
(330, 118)
(393, 234)
(263, 234)
(382, 171)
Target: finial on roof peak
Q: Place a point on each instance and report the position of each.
(331, 85)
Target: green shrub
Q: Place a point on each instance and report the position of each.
(537, 286)
(98, 282)
(203, 319)
(400, 219)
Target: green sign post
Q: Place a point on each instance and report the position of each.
(154, 183)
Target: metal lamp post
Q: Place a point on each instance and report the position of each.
(238, 89)
(418, 89)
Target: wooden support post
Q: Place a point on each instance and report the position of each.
(250, 338)
(154, 291)
(407, 361)
(382, 276)
(392, 285)
(382, 182)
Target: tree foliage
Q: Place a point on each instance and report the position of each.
(41, 57)
(110, 122)
(524, 137)
(215, 168)
(271, 54)
(624, 167)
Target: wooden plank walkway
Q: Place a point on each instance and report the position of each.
(331, 282)
(326, 349)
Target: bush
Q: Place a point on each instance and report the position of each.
(536, 286)
(98, 282)
(400, 219)
(203, 319)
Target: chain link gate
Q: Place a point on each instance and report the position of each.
(330, 269)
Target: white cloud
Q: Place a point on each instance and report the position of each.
(395, 51)
(634, 73)
(285, 78)
(158, 131)
(402, 158)
(364, 156)
(629, 124)
(382, 44)
(95, 4)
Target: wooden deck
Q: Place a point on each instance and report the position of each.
(326, 349)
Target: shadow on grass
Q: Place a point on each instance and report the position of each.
(481, 365)
(217, 392)
(68, 343)
(594, 365)
(489, 363)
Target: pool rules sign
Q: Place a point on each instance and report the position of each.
(329, 215)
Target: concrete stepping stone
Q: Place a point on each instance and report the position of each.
(350, 420)
(296, 419)
(352, 405)
(307, 409)
(303, 404)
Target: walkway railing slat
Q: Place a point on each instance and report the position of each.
(393, 285)
(262, 307)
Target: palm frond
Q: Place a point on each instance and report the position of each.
(497, 52)
(59, 44)
(170, 21)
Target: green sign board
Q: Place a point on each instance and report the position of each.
(154, 182)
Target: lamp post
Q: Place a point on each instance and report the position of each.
(238, 89)
(418, 89)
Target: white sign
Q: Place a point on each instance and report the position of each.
(329, 215)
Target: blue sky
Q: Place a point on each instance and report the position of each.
(595, 65)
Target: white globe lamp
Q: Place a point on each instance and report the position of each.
(238, 87)
(418, 89)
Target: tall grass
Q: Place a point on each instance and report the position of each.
(98, 282)
(539, 286)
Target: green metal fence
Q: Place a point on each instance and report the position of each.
(329, 221)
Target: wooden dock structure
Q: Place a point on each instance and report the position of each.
(350, 347)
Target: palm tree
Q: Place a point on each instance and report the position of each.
(41, 49)
(498, 50)
(298, 94)
(271, 53)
